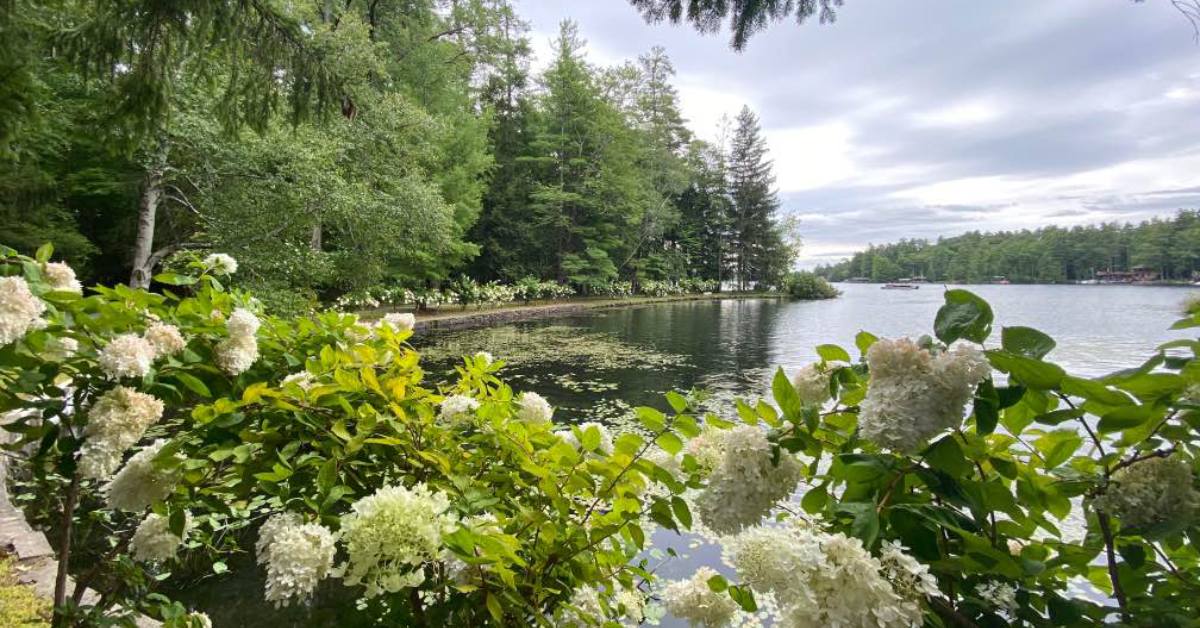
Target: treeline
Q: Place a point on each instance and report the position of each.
(337, 148)
(1168, 247)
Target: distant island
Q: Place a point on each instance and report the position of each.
(1153, 251)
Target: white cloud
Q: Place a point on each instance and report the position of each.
(812, 156)
(961, 114)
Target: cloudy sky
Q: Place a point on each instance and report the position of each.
(936, 117)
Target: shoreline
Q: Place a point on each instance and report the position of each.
(469, 318)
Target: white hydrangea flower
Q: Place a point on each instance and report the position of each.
(999, 595)
(708, 448)
(812, 384)
(165, 338)
(242, 323)
(913, 395)
(303, 379)
(153, 540)
(457, 407)
(221, 264)
(388, 536)
(398, 322)
(127, 355)
(606, 441)
(534, 408)
(116, 421)
(1152, 493)
(61, 277)
(297, 555)
(694, 602)
(20, 311)
(824, 579)
(197, 619)
(634, 604)
(1015, 546)
(487, 357)
(236, 354)
(138, 484)
(59, 348)
(747, 484)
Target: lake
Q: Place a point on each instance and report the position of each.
(598, 365)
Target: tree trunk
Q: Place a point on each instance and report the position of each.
(314, 240)
(151, 195)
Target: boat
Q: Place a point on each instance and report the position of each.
(900, 286)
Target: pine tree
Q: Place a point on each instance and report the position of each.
(754, 202)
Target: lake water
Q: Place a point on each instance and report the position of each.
(598, 365)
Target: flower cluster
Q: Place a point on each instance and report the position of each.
(747, 483)
(221, 264)
(61, 277)
(20, 311)
(127, 355)
(534, 408)
(914, 394)
(812, 384)
(138, 484)
(455, 407)
(999, 595)
(693, 601)
(823, 579)
(153, 540)
(239, 351)
(583, 609)
(1150, 494)
(303, 379)
(116, 421)
(398, 322)
(391, 533)
(606, 441)
(297, 555)
(165, 339)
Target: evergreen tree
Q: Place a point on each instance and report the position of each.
(755, 236)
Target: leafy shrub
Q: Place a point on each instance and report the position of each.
(806, 285)
(327, 429)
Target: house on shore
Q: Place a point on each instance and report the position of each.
(1137, 274)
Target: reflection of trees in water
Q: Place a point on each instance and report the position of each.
(598, 366)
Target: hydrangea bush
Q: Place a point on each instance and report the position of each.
(183, 428)
(929, 481)
(963, 480)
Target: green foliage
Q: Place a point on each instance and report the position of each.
(242, 445)
(19, 605)
(806, 285)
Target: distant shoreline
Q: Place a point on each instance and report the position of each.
(1152, 284)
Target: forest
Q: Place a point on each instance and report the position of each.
(338, 148)
(1169, 247)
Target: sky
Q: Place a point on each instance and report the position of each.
(931, 118)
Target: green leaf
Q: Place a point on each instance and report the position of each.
(1128, 416)
(1034, 373)
(744, 597)
(947, 455)
(1059, 416)
(964, 316)
(494, 608)
(1026, 341)
(682, 514)
(718, 583)
(1058, 447)
(987, 408)
(670, 443)
(677, 401)
(589, 438)
(864, 340)
(786, 397)
(44, 252)
(175, 279)
(327, 476)
(650, 418)
(814, 500)
(219, 567)
(832, 353)
(1094, 391)
(193, 384)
